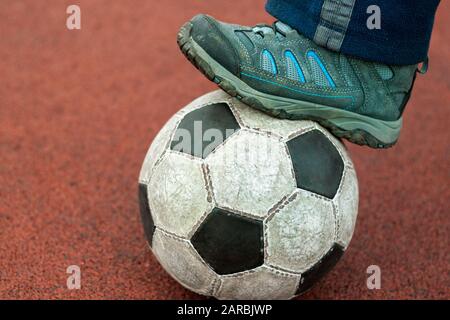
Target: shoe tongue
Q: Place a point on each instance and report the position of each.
(263, 29)
(282, 27)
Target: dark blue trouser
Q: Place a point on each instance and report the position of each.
(399, 34)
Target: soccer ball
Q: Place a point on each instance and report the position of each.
(239, 205)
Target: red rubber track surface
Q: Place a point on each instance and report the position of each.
(78, 110)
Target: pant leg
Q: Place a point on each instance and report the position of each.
(341, 25)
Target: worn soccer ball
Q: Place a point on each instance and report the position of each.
(239, 205)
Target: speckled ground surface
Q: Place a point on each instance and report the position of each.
(78, 110)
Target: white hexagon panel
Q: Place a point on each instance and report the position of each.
(346, 202)
(183, 263)
(262, 283)
(157, 148)
(178, 194)
(300, 232)
(261, 121)
(250, 173)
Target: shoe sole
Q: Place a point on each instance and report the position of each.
(356, 128)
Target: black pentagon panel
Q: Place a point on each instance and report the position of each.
(317, 164)
(202, 130)
(146, 215)
(230, 243)
(320, 269)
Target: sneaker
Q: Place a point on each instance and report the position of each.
(275, 69)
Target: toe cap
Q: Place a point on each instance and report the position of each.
(207, 33)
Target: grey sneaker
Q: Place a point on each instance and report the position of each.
(279, 71)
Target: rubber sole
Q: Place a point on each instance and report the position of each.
(361, 130)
